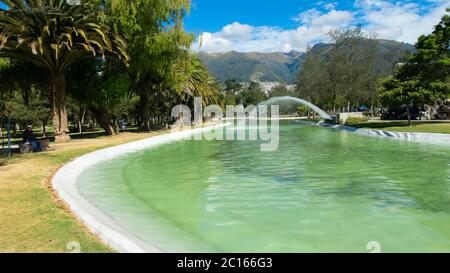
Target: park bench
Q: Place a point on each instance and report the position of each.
(27, 148)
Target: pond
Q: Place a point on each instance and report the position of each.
(322, 190)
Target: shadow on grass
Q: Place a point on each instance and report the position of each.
(101, 133)
(75, 135)
(3, 160)
(4, 152)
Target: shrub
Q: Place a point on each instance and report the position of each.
(302, 110)
(355, 120)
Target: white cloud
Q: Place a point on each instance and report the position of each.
(314, 26)
(315, 18)
(236, 30)
(401, 21)
(330, 6)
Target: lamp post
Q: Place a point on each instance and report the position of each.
(9, 137)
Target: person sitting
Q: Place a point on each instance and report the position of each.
(29, 138)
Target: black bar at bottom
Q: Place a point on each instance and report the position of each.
(219, 262)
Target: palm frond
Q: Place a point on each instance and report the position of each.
(54, 34)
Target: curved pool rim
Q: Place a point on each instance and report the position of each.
(65, 183)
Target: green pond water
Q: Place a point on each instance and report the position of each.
(323, 190)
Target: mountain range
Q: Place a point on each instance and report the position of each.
(284, 67)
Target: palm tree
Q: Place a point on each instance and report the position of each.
(53, 34)
(197, 82)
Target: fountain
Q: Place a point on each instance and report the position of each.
(287, 99)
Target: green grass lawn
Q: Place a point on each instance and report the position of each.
(402, 126)
(32, 218)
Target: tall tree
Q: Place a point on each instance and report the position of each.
(100, 87)
(351, 65)
(312, 85)
(342, 74)
(23, 99)
(156, 39)
(425, 78)
(252, 95)
(280, 91)
(232, 86)
(53, 35)
(195, 81)
(404, 93)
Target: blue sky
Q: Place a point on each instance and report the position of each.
(284, 25)
(212, 15)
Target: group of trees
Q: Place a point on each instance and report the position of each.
(236, 93)
(22, 98)
(425, 78)
(100, 59)
(342, 75)
(350, 72)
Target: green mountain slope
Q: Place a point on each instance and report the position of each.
(283, 67)
(251, 66)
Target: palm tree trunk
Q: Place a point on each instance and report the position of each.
(104, 120)
(81, 121)
(144, 110)
(57, 90)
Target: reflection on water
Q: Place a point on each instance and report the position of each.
(322, 190)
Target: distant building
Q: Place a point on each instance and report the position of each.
(267, 87)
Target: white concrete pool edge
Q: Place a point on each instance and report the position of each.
(64, 184)
(65, 181)
(427, 138)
